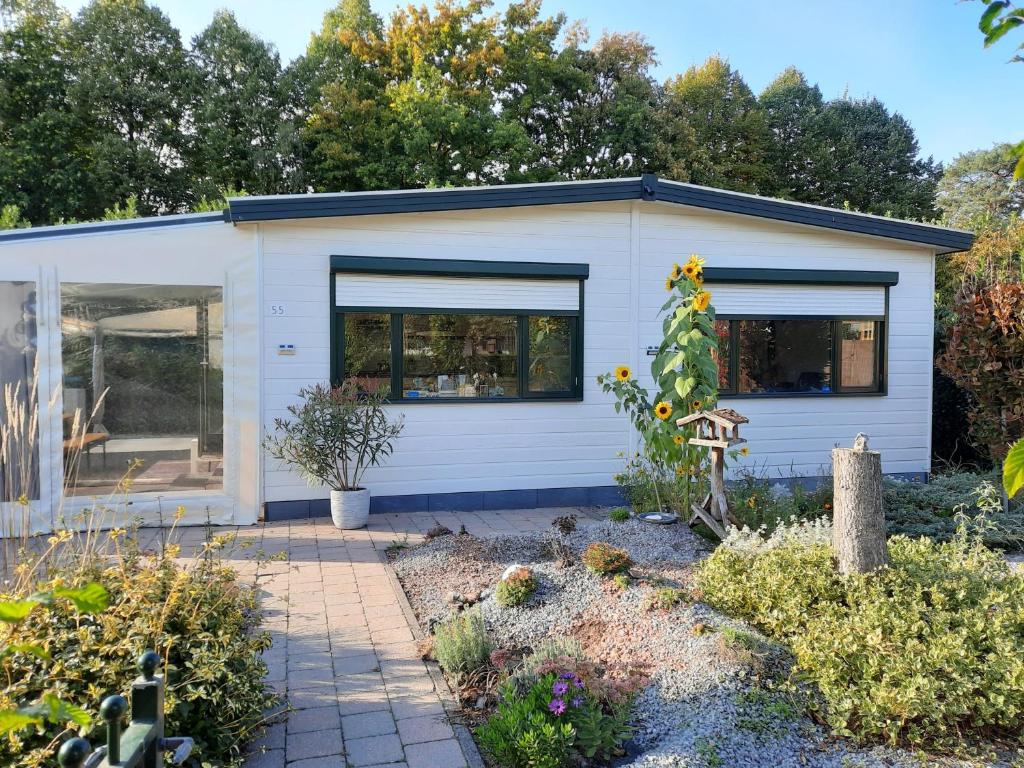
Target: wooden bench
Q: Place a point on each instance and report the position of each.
(85, 443)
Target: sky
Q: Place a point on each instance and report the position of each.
(922, 58)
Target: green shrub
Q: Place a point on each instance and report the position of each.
(515, 588)
(200, 619)
(923, 653)
(461, 645)
(757, 504)
(621, 580)
(911, 508)
(559, 714)
(930, 509)
(619, 515)
(665, 599)
(604, 559)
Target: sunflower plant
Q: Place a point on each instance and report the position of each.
(685, 372)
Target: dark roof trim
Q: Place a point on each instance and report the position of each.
(812, 215)
(800, 276)
(151, 222)
(383, 265)
(648, 187)
(274, 208)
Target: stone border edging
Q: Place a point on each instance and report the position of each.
(444, 691)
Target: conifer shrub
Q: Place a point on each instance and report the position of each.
(604, 559)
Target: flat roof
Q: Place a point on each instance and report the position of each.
(648, 187)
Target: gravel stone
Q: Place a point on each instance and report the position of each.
(703, 706)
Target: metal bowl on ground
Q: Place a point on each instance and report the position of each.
(659, 518)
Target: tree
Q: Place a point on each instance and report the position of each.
(44, 167)
(997, 256)
(238, 110)
(999, 18)
(732, 137)
(792, 108)
(131, 88)
(608, 116)
(985, 355)
(869, 161)
(978, 189)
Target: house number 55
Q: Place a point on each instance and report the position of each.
(277, 309)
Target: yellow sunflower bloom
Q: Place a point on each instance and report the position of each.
(677, 439)
(744, 451)
(663, 410)
(701, 300)
(696, 405)
(668, 284)
(676, 272)
(696, 260)
(690, 270)
(622, 373)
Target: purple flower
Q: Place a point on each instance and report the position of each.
(557, 706)
(567, 675)
(577, 702)
(560, 688)
(577, 682)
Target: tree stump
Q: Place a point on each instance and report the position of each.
(858, 532)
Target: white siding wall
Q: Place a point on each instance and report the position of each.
(794, 437)
(196, 254)
(451, 447)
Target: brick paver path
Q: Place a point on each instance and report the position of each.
(344, 652)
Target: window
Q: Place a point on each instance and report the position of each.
(368, 350)
(799, 356)
(858, 355)
(461, 354)
(143, 375)
(19, 446)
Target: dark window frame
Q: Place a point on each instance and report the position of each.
(574, 394)
(835, 321)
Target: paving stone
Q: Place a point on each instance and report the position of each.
(354, 665)
(310, 698)
(363, 701)
(271, 737)
(432, 754)
(316, 719)
(333, 761)
(272, 758)
(313, 744)
(415, 730)
(378, 749)
(415, 706)
(366, 724)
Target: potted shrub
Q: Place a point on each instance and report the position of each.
(335, 435)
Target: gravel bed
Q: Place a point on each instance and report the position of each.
(704, 707)
(562, 596)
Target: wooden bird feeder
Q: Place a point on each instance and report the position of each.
(718, 430)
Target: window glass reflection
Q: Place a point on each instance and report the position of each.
(780, 356)
(456, 355)
(550, 353)
(19, 446)
(143, 373)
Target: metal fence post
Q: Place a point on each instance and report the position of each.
(148, 707)
(112, 709)
(143, 743)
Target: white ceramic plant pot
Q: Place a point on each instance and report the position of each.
(350, 509)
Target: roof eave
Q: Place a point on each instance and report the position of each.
(648, 187)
